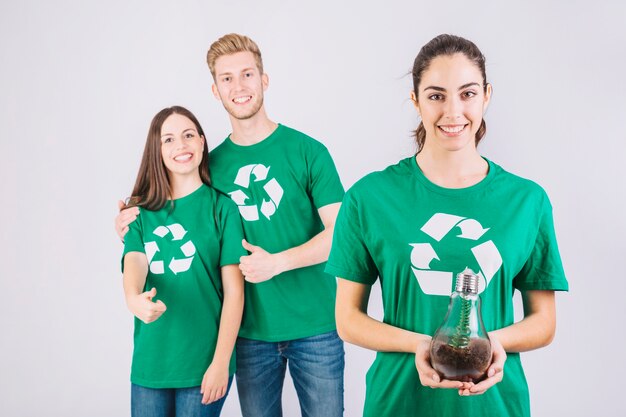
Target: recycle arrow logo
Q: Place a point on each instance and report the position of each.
(250, 212)
(440, 282)
(175, 265)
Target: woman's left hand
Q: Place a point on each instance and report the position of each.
(495, 373)
(214, 383)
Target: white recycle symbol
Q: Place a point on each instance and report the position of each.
(440, 282)
(175, 265)
(271, 187)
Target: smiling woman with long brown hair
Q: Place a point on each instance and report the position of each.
(181, 276)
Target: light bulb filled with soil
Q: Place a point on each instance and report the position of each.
(460, 349)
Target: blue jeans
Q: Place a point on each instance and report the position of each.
(316, 366)
(173, 402)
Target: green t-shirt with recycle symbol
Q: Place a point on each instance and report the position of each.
(414, 236)
(185, 248)
(278, 185)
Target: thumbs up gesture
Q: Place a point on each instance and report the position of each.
(260, 265)
(142, 306)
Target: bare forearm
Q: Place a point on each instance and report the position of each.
(360, 329)
(537, 328)
(312, 252)
(135, 272)
(261, 265)
(315, 250)
(138, 302)
(230, 321)
(356, 327)
(529, 334)
(229, 327)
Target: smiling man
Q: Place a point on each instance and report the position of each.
(288, 193)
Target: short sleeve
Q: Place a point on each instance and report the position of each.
(543, 270)
(349, 256)
(133, 240)
(231, 230)
(324, 183)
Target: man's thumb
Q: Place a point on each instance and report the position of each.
(247, 246)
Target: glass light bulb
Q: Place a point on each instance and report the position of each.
(460, 349)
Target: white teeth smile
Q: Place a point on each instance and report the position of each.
(240, 100)
(183, 158)
(452, 129)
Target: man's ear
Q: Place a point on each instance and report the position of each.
(265, 80)
(216, 93)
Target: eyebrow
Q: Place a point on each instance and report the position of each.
(221, 74)
(184, 131)
(433, 87)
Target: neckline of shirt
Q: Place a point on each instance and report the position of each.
(259, 145)
(189, 196)
(453, 191)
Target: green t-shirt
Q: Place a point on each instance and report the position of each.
(415, 236)
(185, 247)
(278, 185)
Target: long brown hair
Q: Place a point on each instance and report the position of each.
(152, 187)
(446, 45)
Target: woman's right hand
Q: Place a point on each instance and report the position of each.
(429, 377)
(124, 218)
(142, 306)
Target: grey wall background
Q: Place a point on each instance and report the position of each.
(80, 81)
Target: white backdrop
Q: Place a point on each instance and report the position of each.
(80, 81)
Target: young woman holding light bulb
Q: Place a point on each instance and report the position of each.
(418, 223)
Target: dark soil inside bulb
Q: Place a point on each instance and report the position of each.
(467, 364)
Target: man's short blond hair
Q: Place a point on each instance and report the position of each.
(231, 44)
